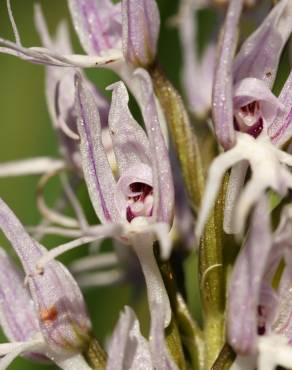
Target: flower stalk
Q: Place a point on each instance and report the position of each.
(182, 134)
(211, 277)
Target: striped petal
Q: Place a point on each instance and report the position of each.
(97, 171)
(57, 299)
(97, 23)
(246, 282)
(223, 81)
(141, 24)
(162, 177)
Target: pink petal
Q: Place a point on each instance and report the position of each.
(97, 171)
(141, 24)
(97, 24)
(223, 81)
(162, 177)
(130, 142)
(57, 298)
(246, 281)
(260, 54)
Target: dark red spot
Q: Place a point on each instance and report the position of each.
(256, 129)
(49, 315)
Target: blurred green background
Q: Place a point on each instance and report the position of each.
(26, 132)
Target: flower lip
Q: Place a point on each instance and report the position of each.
(135, 192)
(248, 119)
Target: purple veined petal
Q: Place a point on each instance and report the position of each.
(17, 315)
(128, 349)
(141, 24)
(97, 23)
(160, 355)
(260, 54)
(57, 298)
(280, 130)
(197, 75)
(97, 171)
(246, 281)
(222, 105)
(163, 189)
(252, 89)
(130, 142)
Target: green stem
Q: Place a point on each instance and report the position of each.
(95, 355)
(225, 358)
(182, 135)
(212, 283)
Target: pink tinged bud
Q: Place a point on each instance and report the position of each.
(141, 24)
(58, 302)
(97, 23)
(223, 80)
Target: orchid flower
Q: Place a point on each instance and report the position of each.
(140, 204)
(250, 122)
(259, 317)
(129, 350)
(47, 315)
(197, 73)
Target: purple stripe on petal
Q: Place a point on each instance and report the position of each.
(97, 23)
(57, 299)
(222, 105)
(246, 283)
(163, 189)
(17, 315)
(97, 171)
